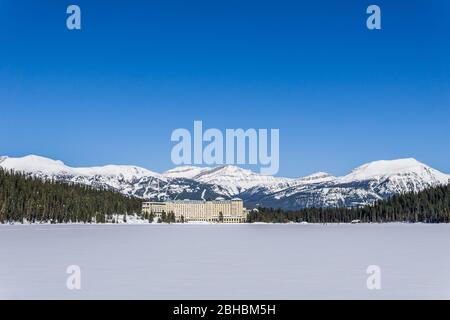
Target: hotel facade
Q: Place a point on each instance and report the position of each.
(219, 210)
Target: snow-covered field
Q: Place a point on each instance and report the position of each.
(252, 261)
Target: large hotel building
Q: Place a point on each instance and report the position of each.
(219, 210)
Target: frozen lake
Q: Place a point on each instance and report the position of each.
(225, 261)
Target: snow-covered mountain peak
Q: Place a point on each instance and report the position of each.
(228, 171)
(35, 164)
(317, 177)
(395, 169)
(188, 172)
(383, 168)
(127, 172)
(38, 160)
(234, 173)
(235, 179)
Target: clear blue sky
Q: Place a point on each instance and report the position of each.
(340, 94)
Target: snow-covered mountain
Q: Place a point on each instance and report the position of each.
(44, 166)
(237, 180)
(121, 178)
(364, 185)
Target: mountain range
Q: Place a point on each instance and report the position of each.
(362, 186)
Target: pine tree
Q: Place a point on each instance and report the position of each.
(25, 199)
(430, 206)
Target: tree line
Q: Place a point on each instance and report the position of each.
(34, 200)
(429, 206)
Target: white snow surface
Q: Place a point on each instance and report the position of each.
(250, 261)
